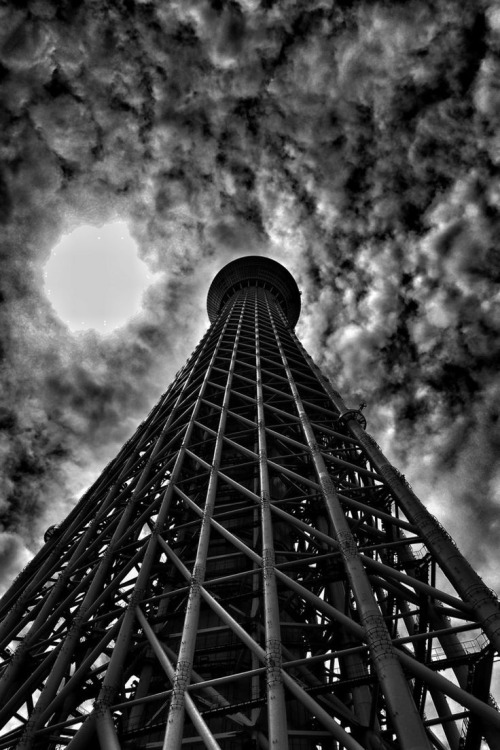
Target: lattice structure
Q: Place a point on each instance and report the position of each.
(249, 573)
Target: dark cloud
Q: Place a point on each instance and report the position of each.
(356, 142)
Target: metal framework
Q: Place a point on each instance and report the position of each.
(249, 573)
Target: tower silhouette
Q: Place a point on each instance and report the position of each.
(249, 573)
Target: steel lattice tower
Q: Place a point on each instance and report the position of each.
(249, 573)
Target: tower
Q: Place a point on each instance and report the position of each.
(249, 573)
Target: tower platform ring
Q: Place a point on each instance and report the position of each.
(254, 270)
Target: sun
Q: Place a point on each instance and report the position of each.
(95, 279)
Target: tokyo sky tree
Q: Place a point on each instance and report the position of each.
(249, 573)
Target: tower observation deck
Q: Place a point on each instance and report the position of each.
(249, 573)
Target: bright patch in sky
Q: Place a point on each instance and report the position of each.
(94, 278)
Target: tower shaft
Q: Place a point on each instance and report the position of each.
(249, 572)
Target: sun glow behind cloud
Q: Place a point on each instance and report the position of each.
(95, 279)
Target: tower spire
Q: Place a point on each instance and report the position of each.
(249, 572)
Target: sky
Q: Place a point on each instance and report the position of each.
(94, 277)
(356, 142)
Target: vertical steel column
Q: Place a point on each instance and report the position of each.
(200, 725)
(401, 706)
(175, 719)
(278, 733)
(254, 612)
(255, 593)
(106, 731)
(362, 697)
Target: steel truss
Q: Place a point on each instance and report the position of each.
(249, 572)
